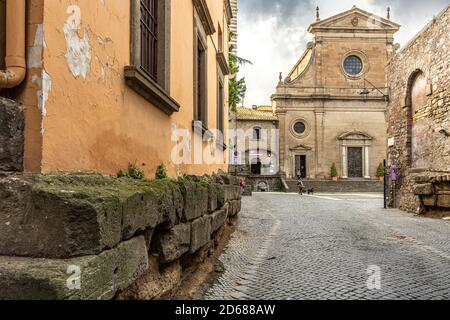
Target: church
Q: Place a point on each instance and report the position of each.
(331, 107)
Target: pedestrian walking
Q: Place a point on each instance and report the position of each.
(300, 186)
(242, 185)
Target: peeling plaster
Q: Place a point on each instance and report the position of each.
(44, 83)
(34, 59)
(78, 54)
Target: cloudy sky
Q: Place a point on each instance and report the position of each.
(272, 33)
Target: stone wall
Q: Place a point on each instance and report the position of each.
(338, 186)
(85, 236)
(11, 135)
(418, 121)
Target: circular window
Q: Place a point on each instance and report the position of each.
(353, 65)
(299, 127)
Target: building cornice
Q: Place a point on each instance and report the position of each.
(205, 16)
(228, 11)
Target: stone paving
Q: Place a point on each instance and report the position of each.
(288, 246)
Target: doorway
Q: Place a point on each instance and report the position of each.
(300, 166)
(355, 162)
(256, 167)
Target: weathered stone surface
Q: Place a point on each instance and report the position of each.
(200, 233)
(156, 283)
(195, 195)
(158, 202)
(218, 219)
(442, 187)
(175, 243)
(232, 192)
(419, 81)
(100, 276)
(423, 189)
(139, 212)
(61, 216)
(443, 200)
(52, 220)
(11, 135)
(429, 201)
(213, 195)
(234, 208)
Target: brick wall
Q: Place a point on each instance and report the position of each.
(427, 55)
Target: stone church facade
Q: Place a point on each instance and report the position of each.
(331, 107)
(419, 119)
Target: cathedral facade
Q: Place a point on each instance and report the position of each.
(332, 105)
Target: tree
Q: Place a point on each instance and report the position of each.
(380, 170)
(334, 172)
(237, 87)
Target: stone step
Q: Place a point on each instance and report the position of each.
(86, 278)
(338, 186)
(63, 216)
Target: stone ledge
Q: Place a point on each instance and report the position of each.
(101, 276)
(57, 221)
(63, 216)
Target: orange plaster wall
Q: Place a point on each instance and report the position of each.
(99, 123)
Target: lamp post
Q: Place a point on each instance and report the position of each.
(365, 91)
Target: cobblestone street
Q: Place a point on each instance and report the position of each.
(288, 246)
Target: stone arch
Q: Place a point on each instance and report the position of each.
(418, 138)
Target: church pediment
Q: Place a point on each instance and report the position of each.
(355, 135)
(301, 147)
(354, 19)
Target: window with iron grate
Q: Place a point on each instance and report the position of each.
(149, 37)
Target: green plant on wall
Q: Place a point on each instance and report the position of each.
(161, 173)
(132, 172)
(380, 170)
(334, 172)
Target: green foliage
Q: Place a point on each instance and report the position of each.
(334, 172)
(237, 87)
(132, 172)
(237, 91)
(380, 170)
(161, 173)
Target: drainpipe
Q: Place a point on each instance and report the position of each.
(15, 45)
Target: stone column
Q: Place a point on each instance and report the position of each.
(344, 163)
(282, 138)
(319, 144)
(366, 163)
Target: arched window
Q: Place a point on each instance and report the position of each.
(257, 133)
(418, 142)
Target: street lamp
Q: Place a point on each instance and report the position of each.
(365, 91)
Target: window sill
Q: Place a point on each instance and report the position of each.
(150, 90)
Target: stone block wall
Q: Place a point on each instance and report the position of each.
(85, 236)
(427, 55)
(433, 191)
(11, 135)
